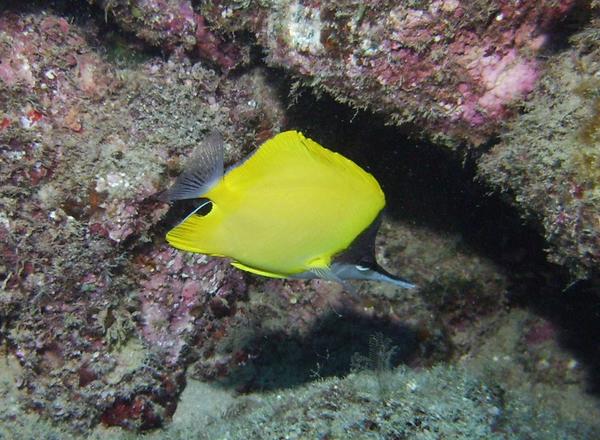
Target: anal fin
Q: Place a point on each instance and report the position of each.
(256, 271)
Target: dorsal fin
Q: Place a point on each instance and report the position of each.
(204, 169)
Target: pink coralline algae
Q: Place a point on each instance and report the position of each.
(450, 68)
(94, 306)
(117, 218)
(178, 291)
(172, 25)
(506, 79)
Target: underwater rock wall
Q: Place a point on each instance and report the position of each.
(85, 154)
(104, 319)
(450, 71)
(173, 25)
(548, 160)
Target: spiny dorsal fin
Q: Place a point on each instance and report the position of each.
(203, 170)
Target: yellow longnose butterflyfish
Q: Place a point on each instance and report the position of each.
(293, 209)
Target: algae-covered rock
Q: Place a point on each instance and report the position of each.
(450, 70)
(548, 161)
(427, 404)
(95, 307)
(102, 324)
(173, 25)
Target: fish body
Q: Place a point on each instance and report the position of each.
(290, 210)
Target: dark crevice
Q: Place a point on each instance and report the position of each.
(330, 349)
(434, 187)
(75, 11)
(578, 16)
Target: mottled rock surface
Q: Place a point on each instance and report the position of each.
(450, 69)
(548, 161)
(102, 324)
(96, 308)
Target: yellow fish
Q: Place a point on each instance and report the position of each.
(293, 209)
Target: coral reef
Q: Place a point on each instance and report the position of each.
(103, 326)
(453, 70)
(548, 160)
(173, 25)
(95, 313)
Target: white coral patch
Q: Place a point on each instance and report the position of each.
(4, 221)
(304, 28)
(113, 183)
